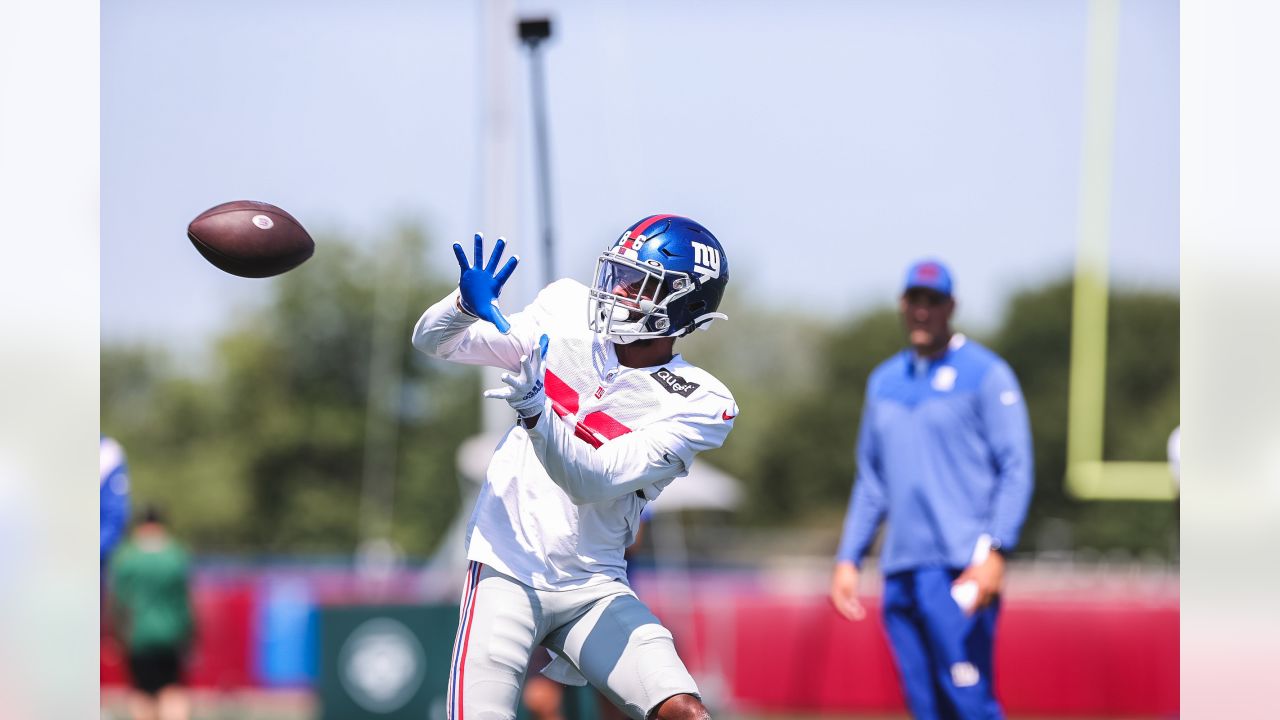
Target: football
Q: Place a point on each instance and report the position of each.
(250, 239)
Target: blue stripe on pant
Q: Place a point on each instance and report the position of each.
(943, 655)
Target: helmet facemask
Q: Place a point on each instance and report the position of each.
(629, 298)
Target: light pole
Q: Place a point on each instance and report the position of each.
(533, 31)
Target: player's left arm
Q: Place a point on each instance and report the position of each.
(659, 452)
(1005, 427)
(1008, 433)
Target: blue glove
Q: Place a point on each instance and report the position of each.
(481, 286)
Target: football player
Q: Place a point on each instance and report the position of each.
(608, 415)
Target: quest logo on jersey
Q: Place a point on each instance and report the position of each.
(674, 383)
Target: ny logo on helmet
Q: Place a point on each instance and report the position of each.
(706, 261)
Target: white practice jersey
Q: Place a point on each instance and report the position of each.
(561, 501)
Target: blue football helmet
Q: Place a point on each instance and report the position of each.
(663, 277)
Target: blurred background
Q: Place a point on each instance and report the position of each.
(319, 471)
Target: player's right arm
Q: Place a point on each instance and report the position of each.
(449, 328)
(634, 461)
(865, 513)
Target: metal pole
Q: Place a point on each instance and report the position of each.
(532, 34)
(499, 192)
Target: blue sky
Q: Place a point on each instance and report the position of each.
(827, 144)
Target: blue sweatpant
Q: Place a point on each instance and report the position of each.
(944, 656)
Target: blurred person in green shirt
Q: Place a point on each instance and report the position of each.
(152, 608)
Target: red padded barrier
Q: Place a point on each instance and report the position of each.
(1051, 658)
(1112, 657)
(221, 657)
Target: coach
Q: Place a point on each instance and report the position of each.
(944, 458)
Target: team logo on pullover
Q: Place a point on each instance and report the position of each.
(673, 383)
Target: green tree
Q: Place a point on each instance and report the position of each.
(805, 466)
(266, 451)
(799, 464)
(263, 447)
(1141, 411)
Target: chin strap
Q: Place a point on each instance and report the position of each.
(702, 322)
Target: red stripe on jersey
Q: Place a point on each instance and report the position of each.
(605, 425)
(599, 425)
(563, 398)
(565, 401)
(586, 436)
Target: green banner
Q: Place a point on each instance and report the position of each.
(385, 661)
(391, 662)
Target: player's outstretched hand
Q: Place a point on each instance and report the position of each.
(481, 285)
(526, 392)
(844, 591)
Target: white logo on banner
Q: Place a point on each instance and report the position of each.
(382, 665)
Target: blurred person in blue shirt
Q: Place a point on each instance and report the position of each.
(113, 497)
(944, 461)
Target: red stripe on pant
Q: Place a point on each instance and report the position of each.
(463, 603)
(463, 639)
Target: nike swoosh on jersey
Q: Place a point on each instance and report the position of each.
(726, 416)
